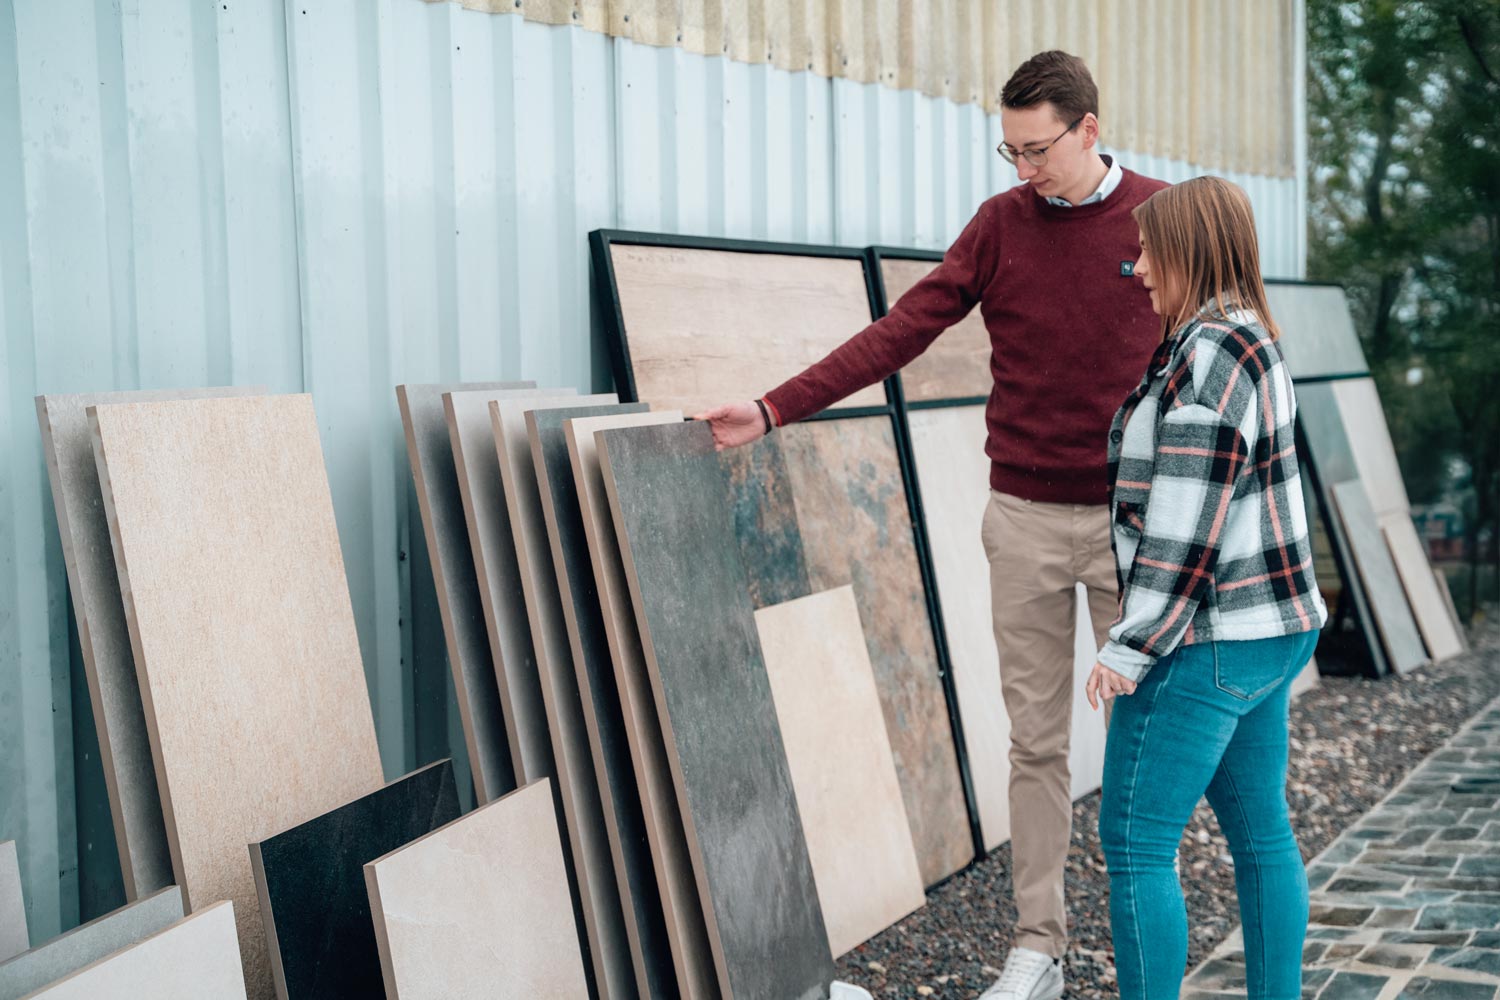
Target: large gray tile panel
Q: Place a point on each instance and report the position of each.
(87, 943)
(1317, 331)
(603, 715)
(311, 883)
(429, 448)
(108, 663)
(670, 499)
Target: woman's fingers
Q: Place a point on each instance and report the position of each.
(1092, 689)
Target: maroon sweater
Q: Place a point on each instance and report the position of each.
(1071, 336)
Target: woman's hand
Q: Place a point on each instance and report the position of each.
(1104, 684)
(735, 425)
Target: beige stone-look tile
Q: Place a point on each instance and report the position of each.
(238, 608)
(479, 908)
(194, 959)
(1383, 590)
(430, 452)
(14, 938)
(957, 365)
(706, 327)
(109, 665)
(664, 830)
(577, 781)
(1438, 629)
(858, 837)
(1370, 440)
(499, 574)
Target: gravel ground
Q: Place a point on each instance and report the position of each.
(1352, 741)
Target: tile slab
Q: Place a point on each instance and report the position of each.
(1370, 440)
(957, 365)
(710, 326)
(603, 716)
(196, 957)
(670, 497)
(109, 665)
(858, 837)
(1439, 631)
(14, 938)
(310, 881)
(498, 573)
(240, 620)
(479, 908)
(429, 450)
(87, 943)
(574, 777)
(691, 957)
(1317, 331)
(1382, 585)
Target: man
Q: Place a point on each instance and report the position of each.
(1049, 265)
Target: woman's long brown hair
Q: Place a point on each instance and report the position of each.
(1200, 235)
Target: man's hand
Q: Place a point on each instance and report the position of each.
(1105, 684)
(735, 425)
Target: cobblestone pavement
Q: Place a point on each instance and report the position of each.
(1405, 903)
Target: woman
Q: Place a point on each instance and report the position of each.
(1218, 607)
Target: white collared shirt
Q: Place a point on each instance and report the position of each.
(1104, 190)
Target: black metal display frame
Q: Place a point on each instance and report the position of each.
(607, 300)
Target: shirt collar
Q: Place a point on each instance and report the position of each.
(1106, 187)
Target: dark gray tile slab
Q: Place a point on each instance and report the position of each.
(429, 449)
(311, 882)
(87, 943)
(599, 692)
(99, 609)
(670, 499)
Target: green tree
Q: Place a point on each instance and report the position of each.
(1404, 151)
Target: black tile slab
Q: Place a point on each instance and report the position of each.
(311, 882)
(670, 499)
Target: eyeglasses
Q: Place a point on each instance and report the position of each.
(1035, 157)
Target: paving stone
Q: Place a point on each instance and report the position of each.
(1479, 867)
(1395, 956)
(1486, 939)
(1390, 916)
(1486, 960)
(1329, 933)
(1451, 938)
(1424, 988)
(1219, 974)
(1353, 986)
(1343, 952)
(1456, 916)
(1340, 916)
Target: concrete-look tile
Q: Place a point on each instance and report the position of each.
(14, 938)
(311, 884)
(498, 572)
(240, 620)
(957, 365)
(576, 782)
(665, 834)
(429, 450)
(1321, 339)
(479, 908)
(1370, 441)
(695, 330)
(670, 501)
(194, 958)
(588, 657)
(1393, 617)
(858, 837)
(87, 943)
(109, 664)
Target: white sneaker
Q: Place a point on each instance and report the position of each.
(1028, 975)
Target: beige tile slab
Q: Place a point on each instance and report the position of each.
(499, 574)
(14, 938)
(664, 827)
(1370, 440)
(109, 666)
(240, 621)
(430, 452)
(1439, 632)
(957, 365)
(586, 832)
(706, 327)
(195, 958)
(853, 816)
(479, 908)
(1441, 579)
(1387, 598)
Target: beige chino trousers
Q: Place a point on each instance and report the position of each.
(1038, 552)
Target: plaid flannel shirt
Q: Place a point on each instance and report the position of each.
(1210, 530)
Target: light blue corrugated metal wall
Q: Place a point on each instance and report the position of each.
(340, 195)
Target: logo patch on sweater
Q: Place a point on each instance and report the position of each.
(1127, 268)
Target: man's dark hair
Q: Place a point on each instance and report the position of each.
(1053, 77)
